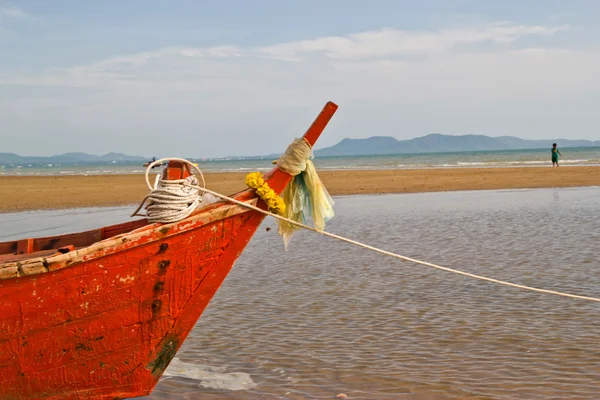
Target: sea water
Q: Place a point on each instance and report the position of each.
(325, 317)
(477, 159)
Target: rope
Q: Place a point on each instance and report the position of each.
(388, 253)
(177, 198)
(162, 160)
(171, 200)
(293, 161)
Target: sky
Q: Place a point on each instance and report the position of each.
(239, 77)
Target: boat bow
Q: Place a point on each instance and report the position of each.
(100, 314)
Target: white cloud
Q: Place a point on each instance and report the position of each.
(387, 82)
(224, 51)
(360, 56)
(11, 12)
(11, 16)
(359, 66)
(393, 42)
(8, 13)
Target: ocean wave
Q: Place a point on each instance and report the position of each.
(250, 169)
(578, 161)
(470, 163)
(210, 377)
(519, 162)
(343, 164)
(338, 167)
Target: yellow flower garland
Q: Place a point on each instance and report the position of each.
(275, 203)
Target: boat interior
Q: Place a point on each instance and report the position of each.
(23, 249)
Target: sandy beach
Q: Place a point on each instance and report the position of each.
(21, 193)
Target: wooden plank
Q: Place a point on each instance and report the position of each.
(8, 247)
(9, 272)
(78, 239)
(25, 246)
(33, 268)
(10, 258)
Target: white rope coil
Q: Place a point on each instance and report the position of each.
(163, 160)
(293, 161)
(171, 200)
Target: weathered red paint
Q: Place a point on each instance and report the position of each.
(110, 310)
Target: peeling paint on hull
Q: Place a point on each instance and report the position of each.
(115, 321)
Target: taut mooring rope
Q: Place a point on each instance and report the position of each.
(389, 253)
(184, 202)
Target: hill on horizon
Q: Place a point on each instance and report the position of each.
(438, 143)
(375, 145)
(67, 158)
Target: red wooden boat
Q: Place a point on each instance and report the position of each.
(100, 314)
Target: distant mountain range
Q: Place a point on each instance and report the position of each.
(437, 143)
(68, 158)
(376, 145)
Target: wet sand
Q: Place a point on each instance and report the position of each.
(21, 193)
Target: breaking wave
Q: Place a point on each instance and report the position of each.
(209, 377)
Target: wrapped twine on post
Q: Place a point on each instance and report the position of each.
(305, 195)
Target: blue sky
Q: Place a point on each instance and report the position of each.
(217, 78)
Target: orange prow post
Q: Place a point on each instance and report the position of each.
(179, 170)
(317, 127)
(176, 170)
(278, 179)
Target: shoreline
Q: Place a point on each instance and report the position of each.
(27, 193)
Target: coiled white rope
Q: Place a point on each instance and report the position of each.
(384, 252)
(171, 200)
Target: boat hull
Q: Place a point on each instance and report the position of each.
(108, 327)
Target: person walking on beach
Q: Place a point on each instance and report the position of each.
(555, 154)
